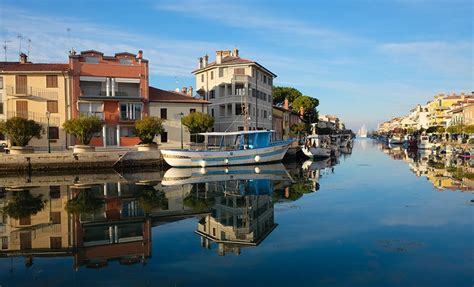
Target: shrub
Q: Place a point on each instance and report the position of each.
(198, 123)
(147, 128)
(83, 128)
(21, 131)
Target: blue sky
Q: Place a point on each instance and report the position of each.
(366, 61)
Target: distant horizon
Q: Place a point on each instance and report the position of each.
(375, 64)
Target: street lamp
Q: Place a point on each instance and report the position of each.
(48, 115)
(181, 117)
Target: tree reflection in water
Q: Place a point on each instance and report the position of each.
(149, 198)
(85, 202)
(24, 204)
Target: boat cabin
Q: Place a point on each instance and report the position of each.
(242, 140)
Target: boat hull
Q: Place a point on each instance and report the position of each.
(316, 152)
(190, 158)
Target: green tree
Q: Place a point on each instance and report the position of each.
(309, 105)
(457, 129)
(300, 128)
(149, 198)
(83, 128)
(20, 131)
(469, 129)
(282, 93)
(147, 128)
(84, 203)
(24, 204)
(198, 122)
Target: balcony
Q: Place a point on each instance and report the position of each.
(29, 91)
(241, 78)
(37, 117)
(99, 115)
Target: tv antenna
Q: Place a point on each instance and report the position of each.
(29, 47)
(68, 37)
(177, 82)
(5, 48)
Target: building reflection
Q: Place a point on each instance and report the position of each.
(444, 171)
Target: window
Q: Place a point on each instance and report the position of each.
(192, 111)
(91, 109)
(240, 129)
(1, 83)
(264, 114)
(25, 220)
(125, 61)
(212, 75)
(52, 106)
(54, 191)
(127, 131)
(212, 112)
(164, 114)
(55, 217)
(92, 60)
(5, 242)
(265, 79)
(270, 81)
(229, 110)
(130, 111)
(202, 77)
(51, 81)
(55, 242)
(164, 137)
(212, 94)
(1, 109)
(239, 71)
(53, 133)
(221, 72)
(238, 109)
(239, 89)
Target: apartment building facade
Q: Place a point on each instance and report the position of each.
(39, 92)
(171, 106)
(113, 88)
(239, 91)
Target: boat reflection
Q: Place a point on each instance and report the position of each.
(444, 171)
(239, 201)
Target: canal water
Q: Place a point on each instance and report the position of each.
(379, 216)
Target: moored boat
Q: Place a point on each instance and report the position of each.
(317, 146)
(250, 147)
(424, 142)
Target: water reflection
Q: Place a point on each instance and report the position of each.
(96, 219)
(444, 171)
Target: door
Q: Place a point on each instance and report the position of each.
(21, 84)
(22, 109)
(111, 136)
(25, 240)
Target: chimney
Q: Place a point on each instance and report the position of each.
(200, 63)
(287, 104)
(218, 57)
(463, 97)
(206, 59)
(235, 52)
(184, 90)
(140, 54)
(23, 58)
(190, 91)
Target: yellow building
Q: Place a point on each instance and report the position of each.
(38, 92)
(438, 109)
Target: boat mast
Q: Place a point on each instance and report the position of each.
(245, 109)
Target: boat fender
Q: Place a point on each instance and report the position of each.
(226, 160)
(202, 170)
(257, 169)
(203, 163)
(257, 158)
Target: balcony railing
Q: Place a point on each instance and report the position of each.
(37, 117)
(29, 91)
(118, 94)
(100, 115)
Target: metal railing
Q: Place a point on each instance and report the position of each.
(29, 91)
(37, 117)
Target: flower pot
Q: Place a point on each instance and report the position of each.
(83, 148)
(147, 147)
(21, 150)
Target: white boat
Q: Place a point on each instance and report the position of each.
(317, 146)
(362, 132)
(250, 147)
(180, 176)
(346, 141)
(424, 142)
(396, 139)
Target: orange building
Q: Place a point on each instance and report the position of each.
(113, 88)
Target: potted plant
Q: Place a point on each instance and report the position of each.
(20, 131)
(83, 128)
(147, 129)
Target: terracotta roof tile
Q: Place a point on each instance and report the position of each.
(32, 67)
(159, 95)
